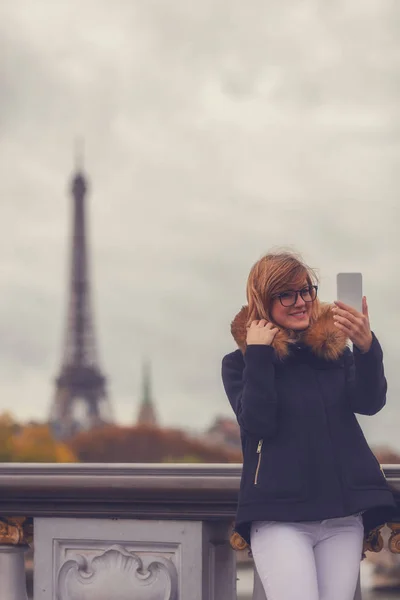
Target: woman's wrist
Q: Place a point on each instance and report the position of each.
(364, 348)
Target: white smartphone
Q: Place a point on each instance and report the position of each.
(349, 289)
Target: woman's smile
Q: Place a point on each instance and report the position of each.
(300, 314)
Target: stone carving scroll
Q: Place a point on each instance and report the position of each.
(394, 540)
(118, 574)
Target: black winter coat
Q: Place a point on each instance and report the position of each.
(305, 457)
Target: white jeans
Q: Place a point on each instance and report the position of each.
(317, 560)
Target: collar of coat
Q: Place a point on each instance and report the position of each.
(322, 336)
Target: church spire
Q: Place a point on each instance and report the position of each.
(147, 415)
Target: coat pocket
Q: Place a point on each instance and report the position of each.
(280, 472)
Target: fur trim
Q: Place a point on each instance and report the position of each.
(323, 337)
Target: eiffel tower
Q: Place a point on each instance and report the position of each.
(80, 401)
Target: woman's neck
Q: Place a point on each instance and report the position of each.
(295, 336)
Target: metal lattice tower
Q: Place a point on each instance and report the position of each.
(81, 401)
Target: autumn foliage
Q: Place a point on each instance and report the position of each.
(146, 445)
(7, 430)
(30, 443)
(111, 444)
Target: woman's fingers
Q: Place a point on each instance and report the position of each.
(262, 323)
(353, 324)
(347, 314)
(343, 321)
(346, 308)
(261, 332)
(270, 326)
(343, 328)
(365, 307)
(253, 323)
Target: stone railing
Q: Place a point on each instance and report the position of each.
(152, 532)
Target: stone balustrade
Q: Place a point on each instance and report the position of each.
(149, 532)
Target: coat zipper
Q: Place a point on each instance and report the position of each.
(259, 452)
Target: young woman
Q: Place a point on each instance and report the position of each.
(310, 487)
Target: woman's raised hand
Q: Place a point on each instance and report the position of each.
(261, 333)
(355, 325)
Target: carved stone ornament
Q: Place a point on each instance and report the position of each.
(237, 542)
(373, 542)
(16, 531)
(117, 573)
(394, 540)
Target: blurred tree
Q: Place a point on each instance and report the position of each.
(146, 444)
(34, 443)
(188, 458)
(7, 429)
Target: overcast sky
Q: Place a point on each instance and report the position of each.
(213, 131)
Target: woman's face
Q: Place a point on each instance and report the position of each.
(295, 316)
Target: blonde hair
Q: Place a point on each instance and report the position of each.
(272, 274)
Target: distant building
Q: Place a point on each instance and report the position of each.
(225, 432)
(147, 412)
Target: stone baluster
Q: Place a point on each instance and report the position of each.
(15, 535)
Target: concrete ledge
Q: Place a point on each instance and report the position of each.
(200, 492)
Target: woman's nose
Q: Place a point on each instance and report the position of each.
(300, 301)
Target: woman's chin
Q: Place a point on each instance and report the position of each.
(300, 326)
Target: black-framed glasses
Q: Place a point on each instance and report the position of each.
(289, 298)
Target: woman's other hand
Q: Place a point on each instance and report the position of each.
(355, 325)
(261, 333)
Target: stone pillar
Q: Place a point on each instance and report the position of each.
(15, 534)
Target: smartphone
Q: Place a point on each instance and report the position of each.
(349, 289)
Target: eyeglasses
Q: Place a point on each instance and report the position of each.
(289, 298)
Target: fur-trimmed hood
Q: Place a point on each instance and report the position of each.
(323, 337)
